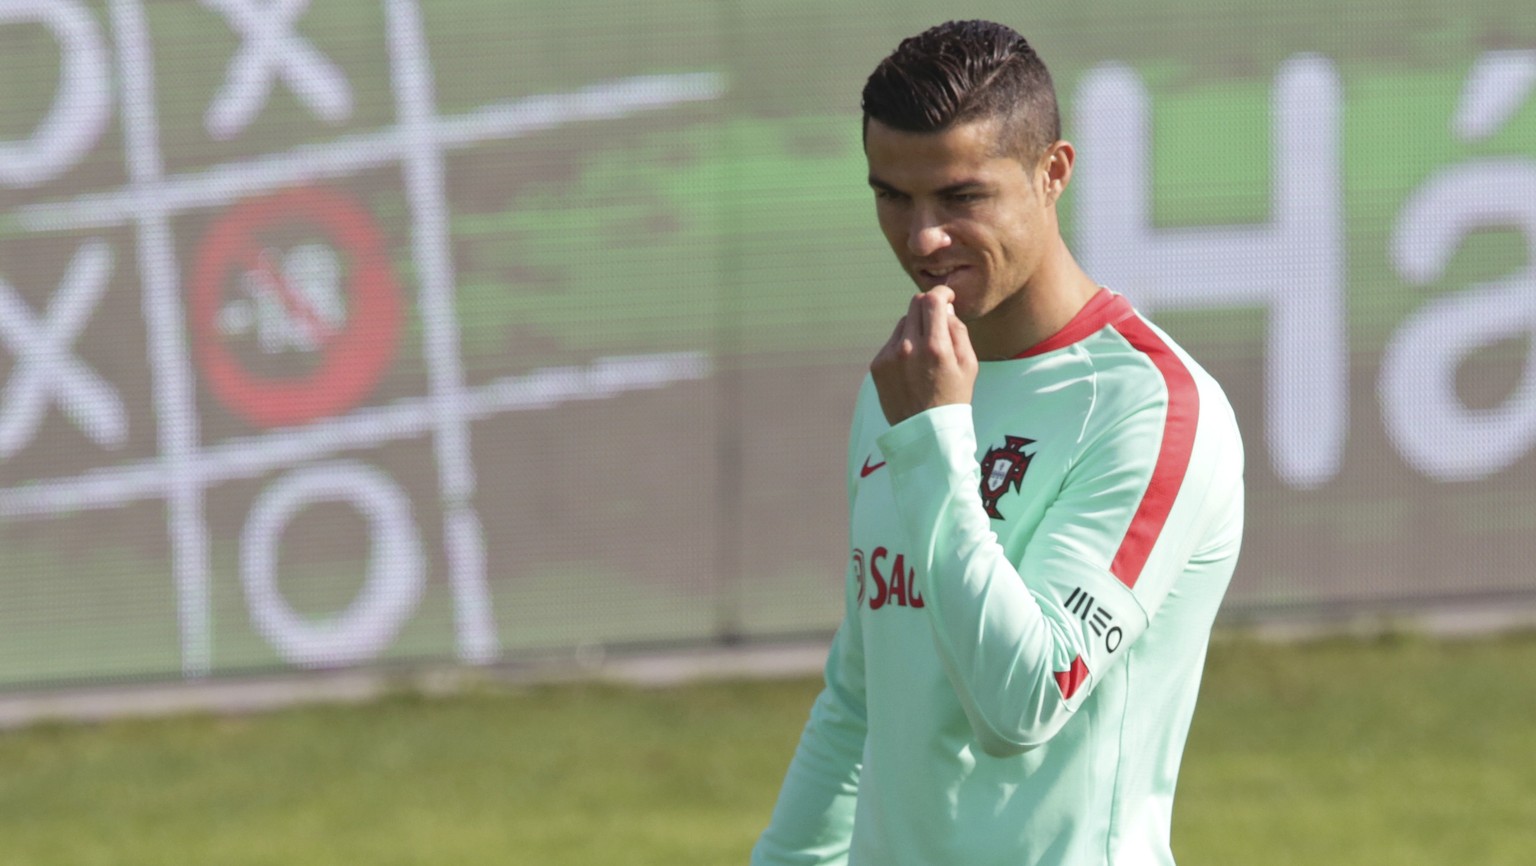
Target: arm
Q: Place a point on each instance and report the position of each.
(812, 822)
(1025, 643)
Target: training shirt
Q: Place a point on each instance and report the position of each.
(1031, 585)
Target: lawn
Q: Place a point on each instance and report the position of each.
(1403, 751)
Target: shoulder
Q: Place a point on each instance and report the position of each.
(1135, 362)
(1139, 369)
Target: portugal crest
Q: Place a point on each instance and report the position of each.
(1002, 470)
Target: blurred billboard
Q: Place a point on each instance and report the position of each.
(364, 331)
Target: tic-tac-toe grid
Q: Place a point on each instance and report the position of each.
(185, 468)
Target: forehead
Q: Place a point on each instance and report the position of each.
(914, 161)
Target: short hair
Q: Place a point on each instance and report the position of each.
(964, 71)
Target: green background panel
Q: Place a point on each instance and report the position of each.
(739, 229)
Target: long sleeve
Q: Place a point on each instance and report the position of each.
(812, 822)
(1032, 582)
(1023, 642)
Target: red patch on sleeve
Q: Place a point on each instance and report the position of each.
(1070, 680)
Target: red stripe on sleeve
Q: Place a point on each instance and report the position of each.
(1172, 457)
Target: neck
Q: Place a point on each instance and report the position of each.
(1057, 291)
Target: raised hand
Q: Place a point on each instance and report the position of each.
(928, 361)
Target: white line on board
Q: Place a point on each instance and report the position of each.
(431, 248)
(225, 184)
(251, 457)
(173, 383)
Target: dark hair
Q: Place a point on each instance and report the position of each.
(963, 71)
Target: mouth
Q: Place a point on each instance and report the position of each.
(939, 276)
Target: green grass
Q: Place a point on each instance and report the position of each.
(1402, 751)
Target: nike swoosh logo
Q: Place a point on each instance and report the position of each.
(864, 473)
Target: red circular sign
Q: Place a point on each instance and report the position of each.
(353, 355)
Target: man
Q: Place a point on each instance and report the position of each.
(1045, 508)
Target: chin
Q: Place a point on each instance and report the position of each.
(967, 314)
(970, 298)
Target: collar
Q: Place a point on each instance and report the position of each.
(1102, 310)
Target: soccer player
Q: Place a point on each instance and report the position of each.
(1046, 503)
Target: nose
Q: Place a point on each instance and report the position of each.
(926, 235)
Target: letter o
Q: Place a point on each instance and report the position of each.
(82, 102)
(1113, 639)
(395, 566)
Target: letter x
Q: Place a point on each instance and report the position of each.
(47, 368)
(270, 48)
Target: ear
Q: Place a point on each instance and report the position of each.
(1055, 170)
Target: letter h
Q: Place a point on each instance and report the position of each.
(1294, 265)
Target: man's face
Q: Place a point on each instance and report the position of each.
(958, 214)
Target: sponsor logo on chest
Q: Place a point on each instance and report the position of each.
(885, 579)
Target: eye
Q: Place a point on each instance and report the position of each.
(967, 197)
(889, 195)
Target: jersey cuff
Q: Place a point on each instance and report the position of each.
(940, 431)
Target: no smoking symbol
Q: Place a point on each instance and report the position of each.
(298, 278)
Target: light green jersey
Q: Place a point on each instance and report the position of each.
(1030, 593)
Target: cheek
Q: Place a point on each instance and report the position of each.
(986, 247)
(1015, 243)
(891, 226)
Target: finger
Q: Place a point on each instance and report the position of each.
(915, 311)
(915, 320)
(938, 307)
(930, 308)
(888, 350)
(960, 338)
(943, 299)
(887, 359)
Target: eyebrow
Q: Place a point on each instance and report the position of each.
(952, 189)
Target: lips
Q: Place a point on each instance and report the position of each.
(938, 276)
